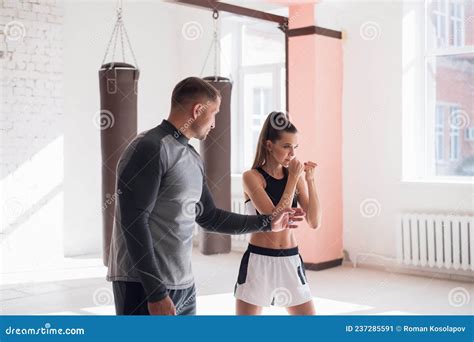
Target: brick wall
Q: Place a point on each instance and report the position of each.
(31, 129)
(31, 82)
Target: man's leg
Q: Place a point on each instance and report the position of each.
(129, 298)
(184, 300)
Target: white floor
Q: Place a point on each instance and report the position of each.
(78, 287)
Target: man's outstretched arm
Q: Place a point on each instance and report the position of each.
(221, 221)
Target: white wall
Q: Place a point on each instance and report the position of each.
(372, 129)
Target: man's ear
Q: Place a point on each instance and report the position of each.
(197, 110)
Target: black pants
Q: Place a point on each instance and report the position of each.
(130, 299)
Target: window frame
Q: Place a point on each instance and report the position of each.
(427, 143)
(439, 132)
(247, 134)
(244, 135)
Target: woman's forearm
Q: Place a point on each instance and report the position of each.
(287, 197)
(314, 213)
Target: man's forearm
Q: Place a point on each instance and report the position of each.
(226, 222)
(217, 220)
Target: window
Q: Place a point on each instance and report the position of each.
(469, 134)
(448, 64)
(262, 100)
(439, 20)
(447, 17)
(439, 133)
(254, 54)
(455, 147)
(456, 20)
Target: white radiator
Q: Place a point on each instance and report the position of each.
(436, 240)
(239, 242)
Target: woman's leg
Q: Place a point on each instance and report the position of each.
(304, 309)
(246, 309)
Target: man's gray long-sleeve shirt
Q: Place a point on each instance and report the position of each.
(160, 183)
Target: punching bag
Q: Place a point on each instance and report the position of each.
(215, 151)
(118, 126)
(118, 83)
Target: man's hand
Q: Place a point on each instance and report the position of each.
(162, 307)
(287, 218)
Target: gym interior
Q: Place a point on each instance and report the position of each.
(380, 91)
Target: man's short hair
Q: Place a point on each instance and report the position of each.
(193, 89)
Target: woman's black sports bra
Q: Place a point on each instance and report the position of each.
(274, 189)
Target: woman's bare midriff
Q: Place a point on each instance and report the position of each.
(275, 240)
(278, 240)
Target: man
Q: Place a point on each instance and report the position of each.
(159, 178)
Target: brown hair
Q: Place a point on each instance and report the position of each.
(274, 125)
(193, 89)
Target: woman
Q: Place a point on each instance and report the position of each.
(272, 271)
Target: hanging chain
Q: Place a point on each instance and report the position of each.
(110, 43)
(118, 24)
(121, 42)
(215, 15)
(115, 41)
(119, 30)
(130, 45)
(214, 44)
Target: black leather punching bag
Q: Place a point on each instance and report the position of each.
(215, 151)
(118, 125)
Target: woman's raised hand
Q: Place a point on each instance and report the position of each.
(309, 167)
(295, 168)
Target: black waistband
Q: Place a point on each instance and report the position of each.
(272, 252)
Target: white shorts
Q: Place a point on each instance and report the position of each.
(272, 277)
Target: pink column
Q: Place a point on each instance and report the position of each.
(315, 98)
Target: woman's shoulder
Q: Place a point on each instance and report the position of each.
(251, 176)
(250, 173)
